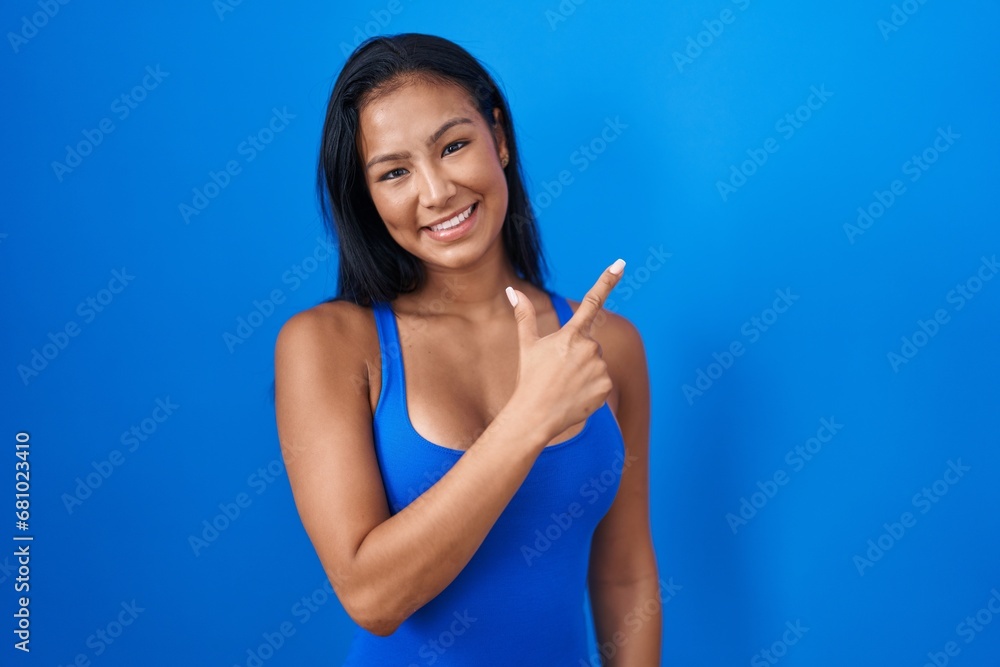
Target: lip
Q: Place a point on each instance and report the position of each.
(458, 230)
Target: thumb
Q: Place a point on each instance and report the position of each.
(524, 313)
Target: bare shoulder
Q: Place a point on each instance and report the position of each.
(617, 335)
(338, 328)
(329, 347)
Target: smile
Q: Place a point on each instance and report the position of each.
(454, 222)
(455, 228)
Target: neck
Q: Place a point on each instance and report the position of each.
(474, 292)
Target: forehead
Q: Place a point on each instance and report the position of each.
(409, 114)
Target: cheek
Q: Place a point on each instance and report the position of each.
(489, 181)
(392, 208)
(499, 191)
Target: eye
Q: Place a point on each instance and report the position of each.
(388, 176)
(460, 144)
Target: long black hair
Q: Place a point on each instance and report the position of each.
(373, 267)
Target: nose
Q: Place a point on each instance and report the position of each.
(436, 186)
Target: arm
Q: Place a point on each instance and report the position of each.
(623, 576)
(382, 567)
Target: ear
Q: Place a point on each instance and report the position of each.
(498, 134)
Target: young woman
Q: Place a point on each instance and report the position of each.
(468, 451)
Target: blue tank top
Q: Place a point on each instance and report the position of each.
(521, 598)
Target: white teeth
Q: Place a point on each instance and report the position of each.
(457, 220)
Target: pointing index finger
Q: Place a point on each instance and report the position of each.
(594, 299)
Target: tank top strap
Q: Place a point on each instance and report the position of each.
(563, 309)
(389, 352)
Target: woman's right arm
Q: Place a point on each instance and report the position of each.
(384, 567)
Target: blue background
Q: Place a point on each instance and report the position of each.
(689, 105)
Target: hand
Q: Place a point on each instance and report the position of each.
(562, 378)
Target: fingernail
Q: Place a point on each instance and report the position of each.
(511, 296)
(617, 267)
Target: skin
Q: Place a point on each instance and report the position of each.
(498, 382)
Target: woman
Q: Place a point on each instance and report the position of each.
(468, 451)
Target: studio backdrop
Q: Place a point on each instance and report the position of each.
(805, 195)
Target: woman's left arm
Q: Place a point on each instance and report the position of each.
(623, 578)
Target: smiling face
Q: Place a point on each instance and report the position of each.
(432, 165)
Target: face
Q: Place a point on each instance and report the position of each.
(429, 157)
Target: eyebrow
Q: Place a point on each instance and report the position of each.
(430, 141)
